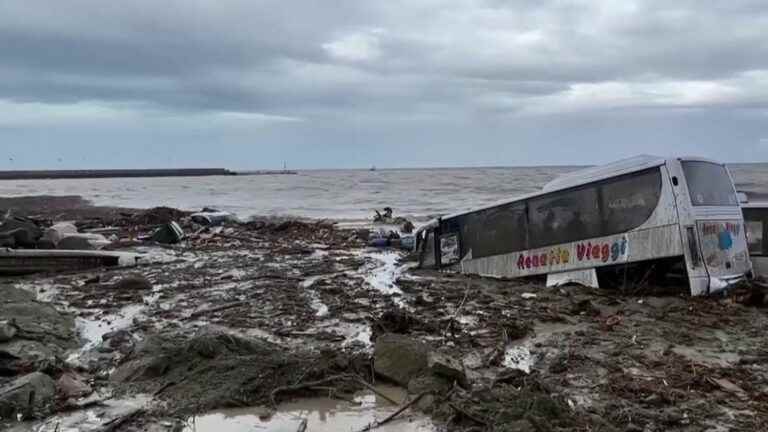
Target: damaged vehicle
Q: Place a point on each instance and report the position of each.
(668, 216)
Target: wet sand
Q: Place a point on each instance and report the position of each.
(239, 316)
(59, 208)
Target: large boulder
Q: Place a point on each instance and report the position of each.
(41, 335)
(36, 320)
(19, 237)
(83, 242)
(57, 232)
(400, 358)
(31, 395)
(20, 355)
(23, 232)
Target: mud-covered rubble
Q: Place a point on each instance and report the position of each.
(294, 288)
(260, 312)
(32, 349)
(596, 359)
(199, 372)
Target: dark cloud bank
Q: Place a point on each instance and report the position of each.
(249, 84)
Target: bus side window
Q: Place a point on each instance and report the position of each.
(564, 217)
(629, 201)
(497, 230)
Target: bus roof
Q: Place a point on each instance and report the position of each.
(576, 178)
(581, 177)
(596, 173)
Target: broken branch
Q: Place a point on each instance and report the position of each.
(396, 413)
(305, 386)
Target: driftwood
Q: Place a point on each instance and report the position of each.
(378, 393)
(322, 385)
(115, 423)
(302, 426)
(240, 238)
(396, 413)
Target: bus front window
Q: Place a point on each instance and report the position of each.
(709, 184)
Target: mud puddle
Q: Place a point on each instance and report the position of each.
(88, 420)
(383, 277)
(321, 415)
(523, 354)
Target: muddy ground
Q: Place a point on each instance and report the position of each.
(258, 313)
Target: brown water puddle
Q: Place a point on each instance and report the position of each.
(322, 415)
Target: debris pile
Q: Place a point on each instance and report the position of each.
(256, 313)
(34, 337)
(218, 370)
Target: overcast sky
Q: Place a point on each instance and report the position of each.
(352, 83)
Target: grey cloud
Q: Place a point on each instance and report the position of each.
(179, 43)
(365, 67)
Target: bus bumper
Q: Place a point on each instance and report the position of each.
(714, 284)
(718, 284)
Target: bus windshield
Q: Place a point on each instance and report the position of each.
(709, 184)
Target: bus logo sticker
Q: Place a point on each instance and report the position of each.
(723, 232)
(724, 240)
(585, 251)
(602, 252)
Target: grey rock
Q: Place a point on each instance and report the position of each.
(20, 237)
(42, 333)
(428, 382)
(20, 354)
(45, 245)
(399, 358)
(39, 321)
(83, 242)
(57, 232)
(10, 294)
(447, 367)
(133, 283)
(24, 232)
(121, 341)
(72, 385)
(32, 395)
(433, 384)
(7, 331)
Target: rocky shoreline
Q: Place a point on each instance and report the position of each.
(257, 313)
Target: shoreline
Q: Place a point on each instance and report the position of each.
(60, 208)
(255, 314)
(117, 173)
(74, 207)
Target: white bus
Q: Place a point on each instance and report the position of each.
(642, 212)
